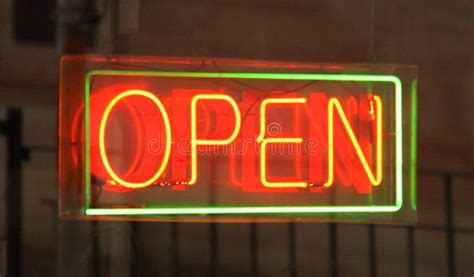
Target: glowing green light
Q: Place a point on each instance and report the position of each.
(241, 210)
(255, 210)
(413, 145)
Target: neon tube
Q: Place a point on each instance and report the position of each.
(195, 141)
(264, 141)
(103, 124)
(166, 209)
(335, 105)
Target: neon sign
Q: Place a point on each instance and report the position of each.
(305, 141)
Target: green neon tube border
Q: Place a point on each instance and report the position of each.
(252, 210)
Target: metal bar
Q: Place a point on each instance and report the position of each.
(12, 128)
(292, 249)
(213, 249)
(449, 225)
(253, 250)
(175, 267)
(372, 251)
(96, 269)
(429, 227)
(333, 263)
(411, 251)
(135, 255)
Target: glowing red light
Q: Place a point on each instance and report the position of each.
(215, 119)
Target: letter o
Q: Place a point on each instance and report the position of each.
(103, 124)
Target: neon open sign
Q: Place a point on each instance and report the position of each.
(151, 137)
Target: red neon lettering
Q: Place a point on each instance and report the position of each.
(344, 154)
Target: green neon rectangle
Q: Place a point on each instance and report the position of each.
(253, 210)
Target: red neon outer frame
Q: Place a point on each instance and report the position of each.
(260, 209)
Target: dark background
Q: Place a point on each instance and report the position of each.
(437, 36)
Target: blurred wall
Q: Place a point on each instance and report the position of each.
(437, 36)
